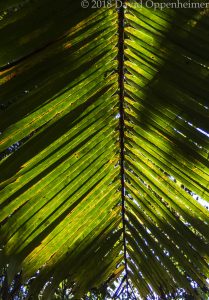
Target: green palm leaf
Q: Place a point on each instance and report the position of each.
(84, 132)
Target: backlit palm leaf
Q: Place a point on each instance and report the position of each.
(61, 211)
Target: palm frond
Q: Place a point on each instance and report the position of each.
(88, 107)
(166, 148)
(61, 189)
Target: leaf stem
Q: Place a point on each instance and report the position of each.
(121, 73)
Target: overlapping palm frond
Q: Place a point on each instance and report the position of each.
(167, 148)
(60, 190)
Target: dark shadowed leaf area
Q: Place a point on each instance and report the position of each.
(104, 150)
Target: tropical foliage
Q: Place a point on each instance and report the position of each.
(104, 150)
